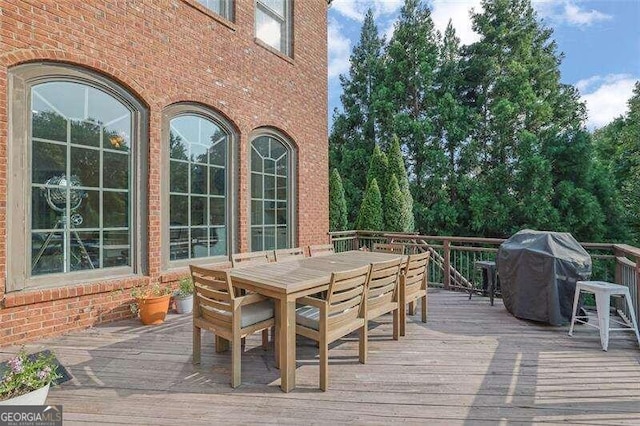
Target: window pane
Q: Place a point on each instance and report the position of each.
(85, 133)
(256, 185)
(179, 210)
(115, 170)
(198, 179)
(269, 238)
(85, 164)
(269, 187)
(256, 161)
(198, 211)
(199, 242)
(281, 188)
(256, 239)
(179, 177)
(270, 29)
(269, 166)
(282, 238)
(281, 215)
(47, 252)
(218, 242)
(87, 215)
(116, 250)
(116, 208)
(217, 181)
(49, 160)
(218, 151)
(88, 125)
(48, 125)
(85, 250)
(256, 212)
(223, 8)
(179, 243)
(269, 213)
(217, 209)
(178, 147)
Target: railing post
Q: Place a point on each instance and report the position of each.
(447, 264)
(618, 272)
(637, 307)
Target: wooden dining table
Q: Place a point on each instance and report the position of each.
(288, 280)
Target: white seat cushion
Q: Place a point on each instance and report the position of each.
(256, 312)
(308, 316)
(251, 314)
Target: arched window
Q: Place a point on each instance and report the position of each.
(82, 139)
(200, 150)
(272, 192)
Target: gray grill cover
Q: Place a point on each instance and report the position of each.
(538, 273)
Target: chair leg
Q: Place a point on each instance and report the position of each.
(576, 298)
(244, 342)
(412, 308)
(324, 363)
(424, 308)
(396, 324)
(362, 350)
(236, 354)
(627, 298)
(602, 305)
(221, 344)
(265, 339)
(197, 344)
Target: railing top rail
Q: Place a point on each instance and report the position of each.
(627, 249)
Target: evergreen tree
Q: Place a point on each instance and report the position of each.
(379, 169)
(370, 214)
(397, 217)
(337, 203)
(397, 170)
(354, 131)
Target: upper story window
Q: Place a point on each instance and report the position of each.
(223, 8)
(273, 24)
(75, 195)
(272, 193)
(200, 184)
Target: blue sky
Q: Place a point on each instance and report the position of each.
(600, 40)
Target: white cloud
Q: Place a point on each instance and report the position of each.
(339, 49)
(356, 9)
(459, 11)
(606, 97)
(568, 12)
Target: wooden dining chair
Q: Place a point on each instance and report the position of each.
(217, 308)
(413, 286)
(343, 311)
(321, 250)
(241, 260)
(382, 292)
(289, 254)
(388, 248)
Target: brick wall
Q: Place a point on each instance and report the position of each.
(167, 51)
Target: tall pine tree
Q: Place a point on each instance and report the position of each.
(354, 131)
(337, 203)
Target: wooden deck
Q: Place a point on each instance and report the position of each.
(472, 363)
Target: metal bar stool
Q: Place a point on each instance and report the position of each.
(603, 292)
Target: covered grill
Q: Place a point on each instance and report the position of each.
(538, 274)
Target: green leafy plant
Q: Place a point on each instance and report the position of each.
(156, 290)
(24, 374)
(185, 288)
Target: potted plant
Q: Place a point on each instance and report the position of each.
(184, 296)
(152, 303)
(26, 379)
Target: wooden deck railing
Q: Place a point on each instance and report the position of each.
(617, 263)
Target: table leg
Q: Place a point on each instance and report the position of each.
(276, 334)
(402, 309)
(287, 337)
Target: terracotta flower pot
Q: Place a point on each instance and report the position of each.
(153, 310)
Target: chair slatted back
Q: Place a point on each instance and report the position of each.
(415, 272)
(383, 283)
(345, 295)
(241, 260)
(213, 295)
(388, 248)
(321, 250)
(289, 254)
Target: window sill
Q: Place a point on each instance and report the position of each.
(211, 14)
(38, 295)
(274, 51)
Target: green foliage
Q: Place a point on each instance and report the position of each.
(398, 171)
(25, 374)
(185, 288)
(337, 203)
(370, 216)
(379, 169)
(397, 217)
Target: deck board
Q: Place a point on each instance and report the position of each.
(471, 363)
